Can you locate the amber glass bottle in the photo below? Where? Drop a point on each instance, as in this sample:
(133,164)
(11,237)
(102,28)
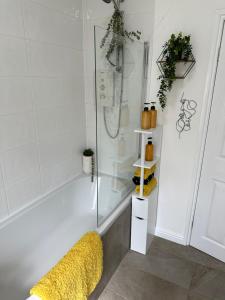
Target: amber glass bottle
(145,119)
(153,116)
(149,151)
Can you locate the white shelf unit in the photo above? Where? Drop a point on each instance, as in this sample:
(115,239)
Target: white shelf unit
(151,131)
(144,209)
(146,164)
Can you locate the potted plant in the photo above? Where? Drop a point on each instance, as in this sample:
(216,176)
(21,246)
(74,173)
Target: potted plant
(88,160)
(177,50)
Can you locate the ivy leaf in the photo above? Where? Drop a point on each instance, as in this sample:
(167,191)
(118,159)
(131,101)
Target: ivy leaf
(114,31)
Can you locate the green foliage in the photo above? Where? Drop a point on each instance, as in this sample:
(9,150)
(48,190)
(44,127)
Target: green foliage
(175,49)
(88,152)
(116,34)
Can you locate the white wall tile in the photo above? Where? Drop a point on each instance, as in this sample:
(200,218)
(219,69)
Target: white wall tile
(23,192)
(74,63)
(15,95)
(20,163)
(42,115)
(3,206)
(50,60)
(91,115)
(136,7)
(98,9)
(16,130)
(13,59)
(57,149)
(91,138)
(70,7)
(52,92)
(47,25)
(46,60)
(142,22)
(11,21)
(47,122)
(3,202)
(56,175)
(56,120)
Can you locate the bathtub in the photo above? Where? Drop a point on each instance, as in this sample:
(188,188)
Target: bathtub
(34,240)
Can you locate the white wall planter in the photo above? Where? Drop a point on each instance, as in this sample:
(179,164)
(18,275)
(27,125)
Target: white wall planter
(87,164)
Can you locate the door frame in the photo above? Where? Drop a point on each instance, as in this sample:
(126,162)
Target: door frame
(206,110)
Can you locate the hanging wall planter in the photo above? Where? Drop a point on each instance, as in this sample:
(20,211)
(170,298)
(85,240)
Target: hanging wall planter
(175,62)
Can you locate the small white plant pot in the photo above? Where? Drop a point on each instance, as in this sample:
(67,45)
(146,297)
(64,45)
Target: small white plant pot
(87,164)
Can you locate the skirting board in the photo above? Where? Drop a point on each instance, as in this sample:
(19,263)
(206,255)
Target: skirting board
(171,236)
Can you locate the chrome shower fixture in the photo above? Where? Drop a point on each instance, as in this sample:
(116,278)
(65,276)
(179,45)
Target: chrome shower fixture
(120,70)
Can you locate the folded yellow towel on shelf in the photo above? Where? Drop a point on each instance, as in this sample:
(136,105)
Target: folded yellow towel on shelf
(147,188)
(77,273)
(147,172)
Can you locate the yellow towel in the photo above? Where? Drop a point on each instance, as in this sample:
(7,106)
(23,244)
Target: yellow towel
(147,188)
(76,275)
(147,172)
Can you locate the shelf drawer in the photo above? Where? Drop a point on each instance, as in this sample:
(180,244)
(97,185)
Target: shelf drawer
(140,207)
(139,235)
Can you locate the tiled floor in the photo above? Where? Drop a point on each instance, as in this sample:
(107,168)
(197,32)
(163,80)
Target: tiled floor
(168,272)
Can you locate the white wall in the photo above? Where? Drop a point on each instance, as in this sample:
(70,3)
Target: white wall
(180,157)
(42,117)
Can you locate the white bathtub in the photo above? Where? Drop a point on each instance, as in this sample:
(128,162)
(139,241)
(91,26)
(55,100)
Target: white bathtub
(34,240)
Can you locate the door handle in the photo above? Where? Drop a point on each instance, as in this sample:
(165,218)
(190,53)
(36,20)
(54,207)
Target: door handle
(140,218)
(140,199)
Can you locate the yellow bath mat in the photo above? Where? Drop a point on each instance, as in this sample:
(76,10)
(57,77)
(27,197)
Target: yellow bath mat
(77,273)
(147,188)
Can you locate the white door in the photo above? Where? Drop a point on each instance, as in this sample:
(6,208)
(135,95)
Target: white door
(208,232)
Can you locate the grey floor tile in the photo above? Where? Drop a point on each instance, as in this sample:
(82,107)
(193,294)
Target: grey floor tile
(109,295)
(134,284)
(168,272)
(195,296)
(188,253)
(209,283)
(163,265)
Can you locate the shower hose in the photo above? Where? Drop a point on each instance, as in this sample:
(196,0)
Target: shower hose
(121,70)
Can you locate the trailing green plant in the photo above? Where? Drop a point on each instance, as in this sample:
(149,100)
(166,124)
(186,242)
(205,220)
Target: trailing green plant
(178,47)
(116,33)
(88,152)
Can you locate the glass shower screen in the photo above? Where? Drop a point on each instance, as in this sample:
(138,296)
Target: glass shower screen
(119,77)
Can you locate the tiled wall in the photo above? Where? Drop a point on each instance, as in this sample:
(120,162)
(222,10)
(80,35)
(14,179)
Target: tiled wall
(42,113)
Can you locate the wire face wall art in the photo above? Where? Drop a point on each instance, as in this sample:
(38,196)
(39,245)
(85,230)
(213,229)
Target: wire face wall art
(187,111)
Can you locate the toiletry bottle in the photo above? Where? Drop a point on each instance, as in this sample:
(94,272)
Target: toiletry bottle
(145,118)
(153,118)
(149,150)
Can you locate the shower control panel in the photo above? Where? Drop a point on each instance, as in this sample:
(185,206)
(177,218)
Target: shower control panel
(105,88)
